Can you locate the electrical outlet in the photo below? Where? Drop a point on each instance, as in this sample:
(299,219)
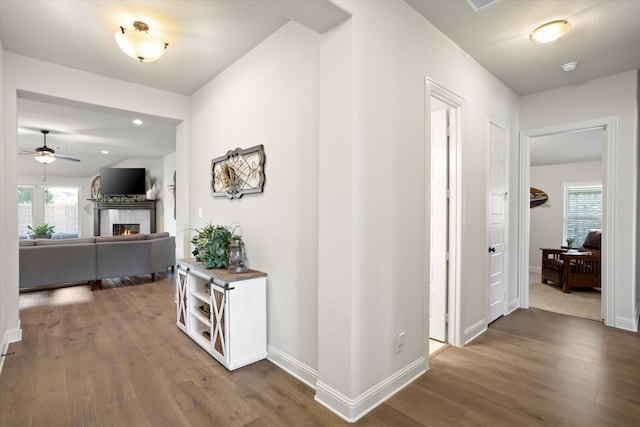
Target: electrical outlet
(399,342)
(199,213)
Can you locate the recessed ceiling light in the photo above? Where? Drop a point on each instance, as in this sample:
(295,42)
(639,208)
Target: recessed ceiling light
(137,122)
(104,152)
(550,31)
(570,66)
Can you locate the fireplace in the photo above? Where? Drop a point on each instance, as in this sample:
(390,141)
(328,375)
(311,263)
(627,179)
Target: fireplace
(109,214)
(125,229)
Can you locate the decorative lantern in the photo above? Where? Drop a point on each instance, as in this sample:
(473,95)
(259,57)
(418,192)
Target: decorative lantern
(236,255)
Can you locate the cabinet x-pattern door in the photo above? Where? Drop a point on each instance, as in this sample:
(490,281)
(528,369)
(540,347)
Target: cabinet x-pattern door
(218,306)
(181,286)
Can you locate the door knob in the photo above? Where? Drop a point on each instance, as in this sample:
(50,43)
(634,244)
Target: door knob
(492,249)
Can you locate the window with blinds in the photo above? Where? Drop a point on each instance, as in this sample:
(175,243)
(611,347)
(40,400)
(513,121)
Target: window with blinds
(61,209)
(582,211)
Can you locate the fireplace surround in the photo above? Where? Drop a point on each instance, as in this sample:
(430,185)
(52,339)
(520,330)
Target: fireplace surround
(107,214)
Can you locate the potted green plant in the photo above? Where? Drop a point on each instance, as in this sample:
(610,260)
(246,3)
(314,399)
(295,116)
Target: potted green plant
(570,241)
(211,246)
(205,309)
(41,231)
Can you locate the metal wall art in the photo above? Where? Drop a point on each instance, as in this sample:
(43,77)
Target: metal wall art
(238,172)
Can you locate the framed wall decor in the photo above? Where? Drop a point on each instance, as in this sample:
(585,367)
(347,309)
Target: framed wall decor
(239,172)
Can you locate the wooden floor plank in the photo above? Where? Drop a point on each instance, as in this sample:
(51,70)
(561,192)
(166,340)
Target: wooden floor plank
(115,357)
(51,402)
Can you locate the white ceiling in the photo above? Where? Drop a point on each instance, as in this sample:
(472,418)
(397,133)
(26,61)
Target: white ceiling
(85,131)
(568,147)
(206,35)
(210,35)
(603,38)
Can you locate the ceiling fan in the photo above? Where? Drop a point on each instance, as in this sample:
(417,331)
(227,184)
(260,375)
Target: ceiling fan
(48,155)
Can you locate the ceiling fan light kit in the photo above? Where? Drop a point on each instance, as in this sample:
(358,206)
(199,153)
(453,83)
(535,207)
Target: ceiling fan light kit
(45,154)
(139,44)
(550,31)
(44,157)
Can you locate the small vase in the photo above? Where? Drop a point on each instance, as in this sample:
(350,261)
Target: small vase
(151,193)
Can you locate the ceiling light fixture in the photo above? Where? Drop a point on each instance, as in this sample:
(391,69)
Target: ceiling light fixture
(45,154)
(570,66)
(137,122)
(550,31)
(45,157)
(138,44)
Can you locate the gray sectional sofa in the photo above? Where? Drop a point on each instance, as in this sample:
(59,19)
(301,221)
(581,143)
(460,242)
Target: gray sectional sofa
(46,263)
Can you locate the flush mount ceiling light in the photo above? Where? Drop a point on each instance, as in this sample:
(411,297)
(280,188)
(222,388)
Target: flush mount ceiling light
(138,44)
(550,31)
(570,66)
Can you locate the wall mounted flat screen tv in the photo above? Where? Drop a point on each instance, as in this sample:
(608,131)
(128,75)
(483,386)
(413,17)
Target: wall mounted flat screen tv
(122,181)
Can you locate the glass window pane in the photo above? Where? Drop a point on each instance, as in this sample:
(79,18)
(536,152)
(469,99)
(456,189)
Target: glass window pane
(61,209)
(583,211)
(25,209)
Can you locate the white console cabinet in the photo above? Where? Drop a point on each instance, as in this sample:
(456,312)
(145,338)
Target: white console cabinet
(224,313)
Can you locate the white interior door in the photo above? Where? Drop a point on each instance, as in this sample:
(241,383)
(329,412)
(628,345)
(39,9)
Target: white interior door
(439,224)
(497,216)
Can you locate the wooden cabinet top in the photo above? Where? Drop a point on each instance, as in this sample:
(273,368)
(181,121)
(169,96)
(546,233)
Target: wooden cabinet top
(222,273)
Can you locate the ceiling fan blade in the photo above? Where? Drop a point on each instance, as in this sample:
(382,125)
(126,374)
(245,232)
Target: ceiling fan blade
(27,152)
(67,157)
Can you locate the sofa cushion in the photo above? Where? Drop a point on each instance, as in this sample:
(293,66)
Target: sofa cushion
(160,235)
(58,242)
(121,238)
(43,265)
(27,243)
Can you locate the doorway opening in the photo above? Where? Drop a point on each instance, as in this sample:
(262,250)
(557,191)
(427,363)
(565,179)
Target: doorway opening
(607,127)
(443,216)
(567,167)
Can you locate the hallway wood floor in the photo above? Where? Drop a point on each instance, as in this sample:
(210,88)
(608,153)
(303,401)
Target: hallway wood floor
(115,358)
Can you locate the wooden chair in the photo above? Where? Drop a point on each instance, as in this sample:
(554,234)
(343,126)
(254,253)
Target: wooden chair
(574,270)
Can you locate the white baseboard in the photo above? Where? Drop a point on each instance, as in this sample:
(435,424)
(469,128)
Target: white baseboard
(512,306)
(535,269)
(475,330)
(11,335)
(303,372)
(627,323)
(351,410)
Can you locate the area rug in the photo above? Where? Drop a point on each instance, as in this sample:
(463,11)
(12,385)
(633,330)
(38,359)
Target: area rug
(581,302)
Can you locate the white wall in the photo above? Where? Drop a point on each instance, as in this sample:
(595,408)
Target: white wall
(373,265)
(9,324)
(637,241)
(616,96)
(269,97)
(546,220)
(22,73)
